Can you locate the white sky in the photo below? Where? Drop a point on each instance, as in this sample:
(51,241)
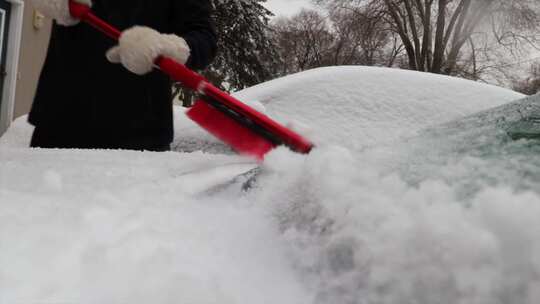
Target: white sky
(286,7)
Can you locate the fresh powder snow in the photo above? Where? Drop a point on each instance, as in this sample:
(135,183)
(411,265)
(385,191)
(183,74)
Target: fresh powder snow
(380,212)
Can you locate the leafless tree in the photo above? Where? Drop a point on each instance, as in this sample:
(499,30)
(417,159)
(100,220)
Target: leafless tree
(362,37)
(303,40)
(530,85)
(311,39)
(441,36)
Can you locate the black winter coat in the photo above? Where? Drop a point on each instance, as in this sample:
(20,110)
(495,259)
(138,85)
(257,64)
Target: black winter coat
(84,101)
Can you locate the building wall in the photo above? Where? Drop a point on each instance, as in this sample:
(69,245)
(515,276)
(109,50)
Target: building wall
(33,51)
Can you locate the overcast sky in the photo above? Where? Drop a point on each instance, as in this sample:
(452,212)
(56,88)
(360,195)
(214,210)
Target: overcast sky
(286,7)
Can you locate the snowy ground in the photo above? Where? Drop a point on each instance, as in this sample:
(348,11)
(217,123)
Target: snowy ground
(383,211)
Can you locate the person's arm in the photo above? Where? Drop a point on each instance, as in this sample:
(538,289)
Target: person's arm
(58,10)
(192,20)
(192,40)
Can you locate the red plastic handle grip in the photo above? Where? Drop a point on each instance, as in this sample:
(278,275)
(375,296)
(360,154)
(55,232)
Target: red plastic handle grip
(84,13)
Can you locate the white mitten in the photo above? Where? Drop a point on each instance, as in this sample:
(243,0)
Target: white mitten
(140,46)
(58,9)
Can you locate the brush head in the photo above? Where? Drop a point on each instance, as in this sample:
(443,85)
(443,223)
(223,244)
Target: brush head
(226,126)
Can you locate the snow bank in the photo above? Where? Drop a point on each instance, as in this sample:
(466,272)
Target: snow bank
(395,223)
(18,134)
(357,106)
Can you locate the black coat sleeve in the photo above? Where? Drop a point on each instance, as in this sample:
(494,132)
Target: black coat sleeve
(192,20)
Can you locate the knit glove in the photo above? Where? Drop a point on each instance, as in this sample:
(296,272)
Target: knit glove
(58,10)
(140,46)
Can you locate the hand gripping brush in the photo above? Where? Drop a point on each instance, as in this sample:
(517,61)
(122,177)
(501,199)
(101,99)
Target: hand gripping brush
(246,130)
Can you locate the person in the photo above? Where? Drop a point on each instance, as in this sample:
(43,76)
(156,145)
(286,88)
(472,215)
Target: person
(84,101)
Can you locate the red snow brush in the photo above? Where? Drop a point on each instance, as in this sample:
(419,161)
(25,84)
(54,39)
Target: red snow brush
(246,130)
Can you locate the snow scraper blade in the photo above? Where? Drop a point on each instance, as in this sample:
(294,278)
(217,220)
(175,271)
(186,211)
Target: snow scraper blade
(246,130)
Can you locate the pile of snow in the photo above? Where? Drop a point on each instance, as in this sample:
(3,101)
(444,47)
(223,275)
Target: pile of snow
(335,226)
(18,135)
(358,106)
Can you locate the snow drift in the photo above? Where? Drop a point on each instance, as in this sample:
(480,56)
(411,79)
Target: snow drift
(449,215)
(357,106)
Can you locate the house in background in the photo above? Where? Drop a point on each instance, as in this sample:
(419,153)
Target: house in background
(24,36)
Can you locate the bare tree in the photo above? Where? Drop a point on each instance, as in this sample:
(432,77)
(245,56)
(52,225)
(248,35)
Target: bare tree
(530,85)
(304,41)
(362,37)
(439,36)
(311,39)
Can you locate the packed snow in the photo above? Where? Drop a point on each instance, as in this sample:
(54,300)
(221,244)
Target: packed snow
(391,207)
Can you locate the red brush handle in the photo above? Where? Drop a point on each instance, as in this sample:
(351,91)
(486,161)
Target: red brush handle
(84,13)
(194,81)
